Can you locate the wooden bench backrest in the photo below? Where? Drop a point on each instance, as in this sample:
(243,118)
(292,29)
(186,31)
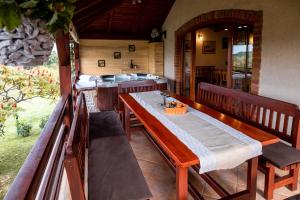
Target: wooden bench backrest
(76,148)
(274,116)
(135,86)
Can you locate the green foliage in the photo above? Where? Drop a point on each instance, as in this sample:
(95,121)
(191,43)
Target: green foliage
(18,85)
(1,129)
(56,13)
(10,16)
(53,60)
(43,121)
(23,128)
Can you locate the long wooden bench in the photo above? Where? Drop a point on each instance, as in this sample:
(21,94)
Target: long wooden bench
(113,171)
(274,116)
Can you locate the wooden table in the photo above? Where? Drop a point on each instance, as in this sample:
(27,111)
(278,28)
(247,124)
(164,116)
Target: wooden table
(180,157)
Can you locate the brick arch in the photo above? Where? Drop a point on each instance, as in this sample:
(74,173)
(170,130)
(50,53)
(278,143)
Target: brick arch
(254,18)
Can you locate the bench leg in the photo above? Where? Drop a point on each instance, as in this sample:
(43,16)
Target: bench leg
(269,182)
(182,183)
(294,173)
(252,177)
(127,121)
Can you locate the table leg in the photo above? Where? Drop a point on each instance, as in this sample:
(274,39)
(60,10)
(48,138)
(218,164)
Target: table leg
(127,121)
(252,177)
(182,183)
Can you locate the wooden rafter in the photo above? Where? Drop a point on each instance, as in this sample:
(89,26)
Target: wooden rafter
(113,36)
(138,18)
(119,19)
(111,14)
(89,15)
(87,6)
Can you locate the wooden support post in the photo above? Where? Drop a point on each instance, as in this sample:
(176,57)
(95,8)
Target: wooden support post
(193,86)
(229,58)
(252,177)
(182,183)
(127,121)
(63,50)
(74,179)
(77,72)
(77,60)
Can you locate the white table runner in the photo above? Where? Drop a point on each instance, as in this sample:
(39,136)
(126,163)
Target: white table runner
(217,145)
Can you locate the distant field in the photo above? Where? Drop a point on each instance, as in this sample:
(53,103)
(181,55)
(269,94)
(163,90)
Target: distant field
(13,148)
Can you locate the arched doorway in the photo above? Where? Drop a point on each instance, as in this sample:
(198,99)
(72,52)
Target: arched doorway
(232,16)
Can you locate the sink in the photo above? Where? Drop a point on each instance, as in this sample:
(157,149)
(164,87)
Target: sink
(107,78)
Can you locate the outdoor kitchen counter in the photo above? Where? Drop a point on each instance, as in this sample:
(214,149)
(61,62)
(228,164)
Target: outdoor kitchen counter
(107,89)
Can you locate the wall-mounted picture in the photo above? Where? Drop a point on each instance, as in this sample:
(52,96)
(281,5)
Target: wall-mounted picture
(101,63)
(209,47)
(131,48)
(117,55)
(225,43)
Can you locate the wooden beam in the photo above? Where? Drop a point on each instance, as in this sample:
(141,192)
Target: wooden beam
(73,32)
(81,8)
(93,34)
(193,85)
(77,60)
(110,21)
(138,18)
(85,18)
(229,58)
(63,50)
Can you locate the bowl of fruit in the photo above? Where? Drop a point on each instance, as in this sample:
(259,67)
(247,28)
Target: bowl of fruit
(176,108)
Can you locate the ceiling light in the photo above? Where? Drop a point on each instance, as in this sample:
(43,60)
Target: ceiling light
(240,27)
(133,2)
(225,29)
(139,1)
(245,26)
(200,36)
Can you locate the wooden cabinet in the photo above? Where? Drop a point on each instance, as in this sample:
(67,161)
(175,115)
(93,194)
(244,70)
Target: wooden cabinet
(156,58)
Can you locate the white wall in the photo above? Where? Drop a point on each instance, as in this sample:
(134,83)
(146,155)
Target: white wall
(280,65)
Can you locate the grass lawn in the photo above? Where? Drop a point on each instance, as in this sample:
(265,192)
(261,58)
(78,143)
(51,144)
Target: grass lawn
(13,148)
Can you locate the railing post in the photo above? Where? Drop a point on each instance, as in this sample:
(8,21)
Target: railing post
(63,50)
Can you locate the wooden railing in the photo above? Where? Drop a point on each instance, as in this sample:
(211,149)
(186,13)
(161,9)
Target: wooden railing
(77,142)
(40,176)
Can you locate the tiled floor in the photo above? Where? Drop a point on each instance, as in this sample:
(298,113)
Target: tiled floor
(161,179)
(91,100)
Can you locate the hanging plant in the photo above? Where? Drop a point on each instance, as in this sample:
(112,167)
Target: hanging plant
(57,14)
(27,29)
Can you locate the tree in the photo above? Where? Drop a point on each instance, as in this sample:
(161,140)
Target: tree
(18,84)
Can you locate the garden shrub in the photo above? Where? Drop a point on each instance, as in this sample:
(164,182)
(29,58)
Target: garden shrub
(43,121)
(23,128)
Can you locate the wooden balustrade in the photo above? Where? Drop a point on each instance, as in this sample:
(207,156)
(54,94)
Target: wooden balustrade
(76,149)
(40,175)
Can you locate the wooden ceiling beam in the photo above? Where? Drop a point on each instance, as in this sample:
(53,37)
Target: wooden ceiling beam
(80,8)
(111,14)
(136,24)
(169,6)
(85,18)
(113,36)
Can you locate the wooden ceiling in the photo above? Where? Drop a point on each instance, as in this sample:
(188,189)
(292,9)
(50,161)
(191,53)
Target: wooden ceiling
(119,19)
